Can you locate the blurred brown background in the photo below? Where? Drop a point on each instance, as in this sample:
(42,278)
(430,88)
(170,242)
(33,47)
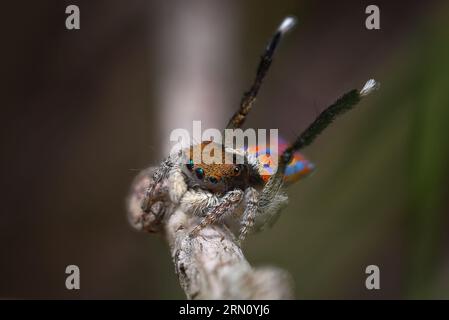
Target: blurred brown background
(84,110)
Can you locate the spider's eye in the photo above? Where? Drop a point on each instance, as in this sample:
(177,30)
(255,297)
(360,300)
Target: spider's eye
(213,180)
(237,170)
(199,173)
(189,165)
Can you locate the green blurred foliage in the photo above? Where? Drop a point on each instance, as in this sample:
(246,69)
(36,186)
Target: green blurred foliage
(429,159)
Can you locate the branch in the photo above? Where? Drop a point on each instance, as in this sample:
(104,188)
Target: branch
(210,265)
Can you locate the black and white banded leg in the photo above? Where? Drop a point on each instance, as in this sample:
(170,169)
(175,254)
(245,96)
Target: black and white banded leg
(227,205)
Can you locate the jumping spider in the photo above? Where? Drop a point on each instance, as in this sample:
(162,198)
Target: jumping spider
(215,190)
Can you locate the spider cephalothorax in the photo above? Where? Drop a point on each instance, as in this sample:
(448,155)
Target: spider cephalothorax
(220,169)
(240,182)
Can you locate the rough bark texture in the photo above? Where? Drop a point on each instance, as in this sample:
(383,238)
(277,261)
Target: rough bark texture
(212,264)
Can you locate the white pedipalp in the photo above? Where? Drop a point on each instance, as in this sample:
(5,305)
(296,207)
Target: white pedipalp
(198,201)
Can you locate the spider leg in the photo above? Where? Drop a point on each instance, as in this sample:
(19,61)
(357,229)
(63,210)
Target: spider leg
(157,190)
(270,212)
(264,65)
(228,203)
(249,215)
(326,117)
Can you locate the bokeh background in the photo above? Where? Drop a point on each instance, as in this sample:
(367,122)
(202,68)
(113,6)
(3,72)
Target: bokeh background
(83,111)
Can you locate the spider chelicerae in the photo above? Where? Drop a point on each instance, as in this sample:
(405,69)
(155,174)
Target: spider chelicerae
(237,184)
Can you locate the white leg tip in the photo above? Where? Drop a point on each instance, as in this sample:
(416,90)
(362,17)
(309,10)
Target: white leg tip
(288,23)
(369,87)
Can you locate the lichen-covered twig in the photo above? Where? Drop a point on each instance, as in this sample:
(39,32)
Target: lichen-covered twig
(210,265)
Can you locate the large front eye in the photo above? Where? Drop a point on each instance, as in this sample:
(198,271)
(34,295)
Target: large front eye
(199,173)
(213,180)
(189,165)
(237,170)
